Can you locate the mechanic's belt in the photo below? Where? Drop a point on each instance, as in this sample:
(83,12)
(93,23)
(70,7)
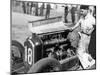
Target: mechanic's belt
(85,33)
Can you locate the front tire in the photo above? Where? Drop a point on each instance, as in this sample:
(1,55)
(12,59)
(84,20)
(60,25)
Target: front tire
(17,54)
(46,65)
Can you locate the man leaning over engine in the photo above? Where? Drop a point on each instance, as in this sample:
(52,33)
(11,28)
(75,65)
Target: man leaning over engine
(86,23)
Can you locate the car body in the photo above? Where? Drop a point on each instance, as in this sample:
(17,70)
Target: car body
(47,41)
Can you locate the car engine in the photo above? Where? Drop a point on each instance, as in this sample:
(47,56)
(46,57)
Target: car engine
(56,45)
(51,44)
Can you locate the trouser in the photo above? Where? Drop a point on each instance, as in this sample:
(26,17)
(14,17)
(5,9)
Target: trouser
(47,15)
(28,10)
(73,17)
(65,17)
(33,11)
(36,12)
(41,12)
(82,51)
(24,10)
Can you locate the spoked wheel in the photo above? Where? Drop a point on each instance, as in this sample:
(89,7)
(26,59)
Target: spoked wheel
(17,53)
(46,65)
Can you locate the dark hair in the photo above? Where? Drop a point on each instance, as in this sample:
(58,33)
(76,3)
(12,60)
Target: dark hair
(84,7)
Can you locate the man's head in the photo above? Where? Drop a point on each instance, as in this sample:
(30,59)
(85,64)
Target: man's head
(84,10)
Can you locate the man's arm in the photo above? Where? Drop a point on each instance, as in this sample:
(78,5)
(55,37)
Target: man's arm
(76,25)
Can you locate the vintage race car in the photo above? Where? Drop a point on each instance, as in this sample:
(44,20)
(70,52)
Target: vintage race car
(46,50)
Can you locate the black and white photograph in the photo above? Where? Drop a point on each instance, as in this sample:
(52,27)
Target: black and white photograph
(52,37)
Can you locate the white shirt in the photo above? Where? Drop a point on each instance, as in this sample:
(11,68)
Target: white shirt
(86,23)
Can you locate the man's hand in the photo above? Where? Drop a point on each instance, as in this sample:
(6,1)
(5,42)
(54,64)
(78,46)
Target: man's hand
(89,31)
(71,29)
